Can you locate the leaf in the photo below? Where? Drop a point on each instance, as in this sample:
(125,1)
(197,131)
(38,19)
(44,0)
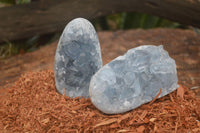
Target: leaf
(180,91)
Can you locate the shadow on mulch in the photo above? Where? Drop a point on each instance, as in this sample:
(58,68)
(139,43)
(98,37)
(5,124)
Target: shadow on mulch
(33,104)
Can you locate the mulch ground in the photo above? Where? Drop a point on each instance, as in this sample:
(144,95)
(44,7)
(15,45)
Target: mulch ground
(34,105)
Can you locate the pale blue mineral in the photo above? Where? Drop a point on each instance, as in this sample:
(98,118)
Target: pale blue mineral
(77,59)
(133,79)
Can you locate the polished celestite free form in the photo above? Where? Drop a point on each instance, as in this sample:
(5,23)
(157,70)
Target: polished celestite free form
(78,57)
(133,79)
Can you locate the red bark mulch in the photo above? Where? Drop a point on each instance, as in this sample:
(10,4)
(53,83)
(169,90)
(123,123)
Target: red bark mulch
(34,105)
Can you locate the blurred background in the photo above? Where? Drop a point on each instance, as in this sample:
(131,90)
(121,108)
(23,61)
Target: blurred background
(30,29)
(120,21)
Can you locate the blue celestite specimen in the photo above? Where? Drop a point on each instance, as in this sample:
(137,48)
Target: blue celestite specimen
(133,79)
(78,57)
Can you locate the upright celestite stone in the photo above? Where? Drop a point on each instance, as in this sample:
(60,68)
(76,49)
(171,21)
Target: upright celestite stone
(133,79)
(78,57)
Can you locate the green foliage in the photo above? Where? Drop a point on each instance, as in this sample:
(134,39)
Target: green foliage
(11,2)
(196,30)
(12,48)
(135,20)
(7,50)
(22,1)
(15,2)
(28,45)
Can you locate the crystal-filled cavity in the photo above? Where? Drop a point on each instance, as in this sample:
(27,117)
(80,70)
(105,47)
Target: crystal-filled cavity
(77,58)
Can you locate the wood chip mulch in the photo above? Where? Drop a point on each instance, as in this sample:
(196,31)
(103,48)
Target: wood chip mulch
(33,105)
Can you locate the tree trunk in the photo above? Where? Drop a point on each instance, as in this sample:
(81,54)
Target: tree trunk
(48,16)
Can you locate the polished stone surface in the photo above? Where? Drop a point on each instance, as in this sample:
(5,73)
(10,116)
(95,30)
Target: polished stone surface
(78,57)
(133,79)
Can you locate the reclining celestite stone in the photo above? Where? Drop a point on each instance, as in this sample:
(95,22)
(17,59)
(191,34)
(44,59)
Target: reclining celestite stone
(133,79)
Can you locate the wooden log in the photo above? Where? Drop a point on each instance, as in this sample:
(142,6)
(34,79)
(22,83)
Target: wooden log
(48,16)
